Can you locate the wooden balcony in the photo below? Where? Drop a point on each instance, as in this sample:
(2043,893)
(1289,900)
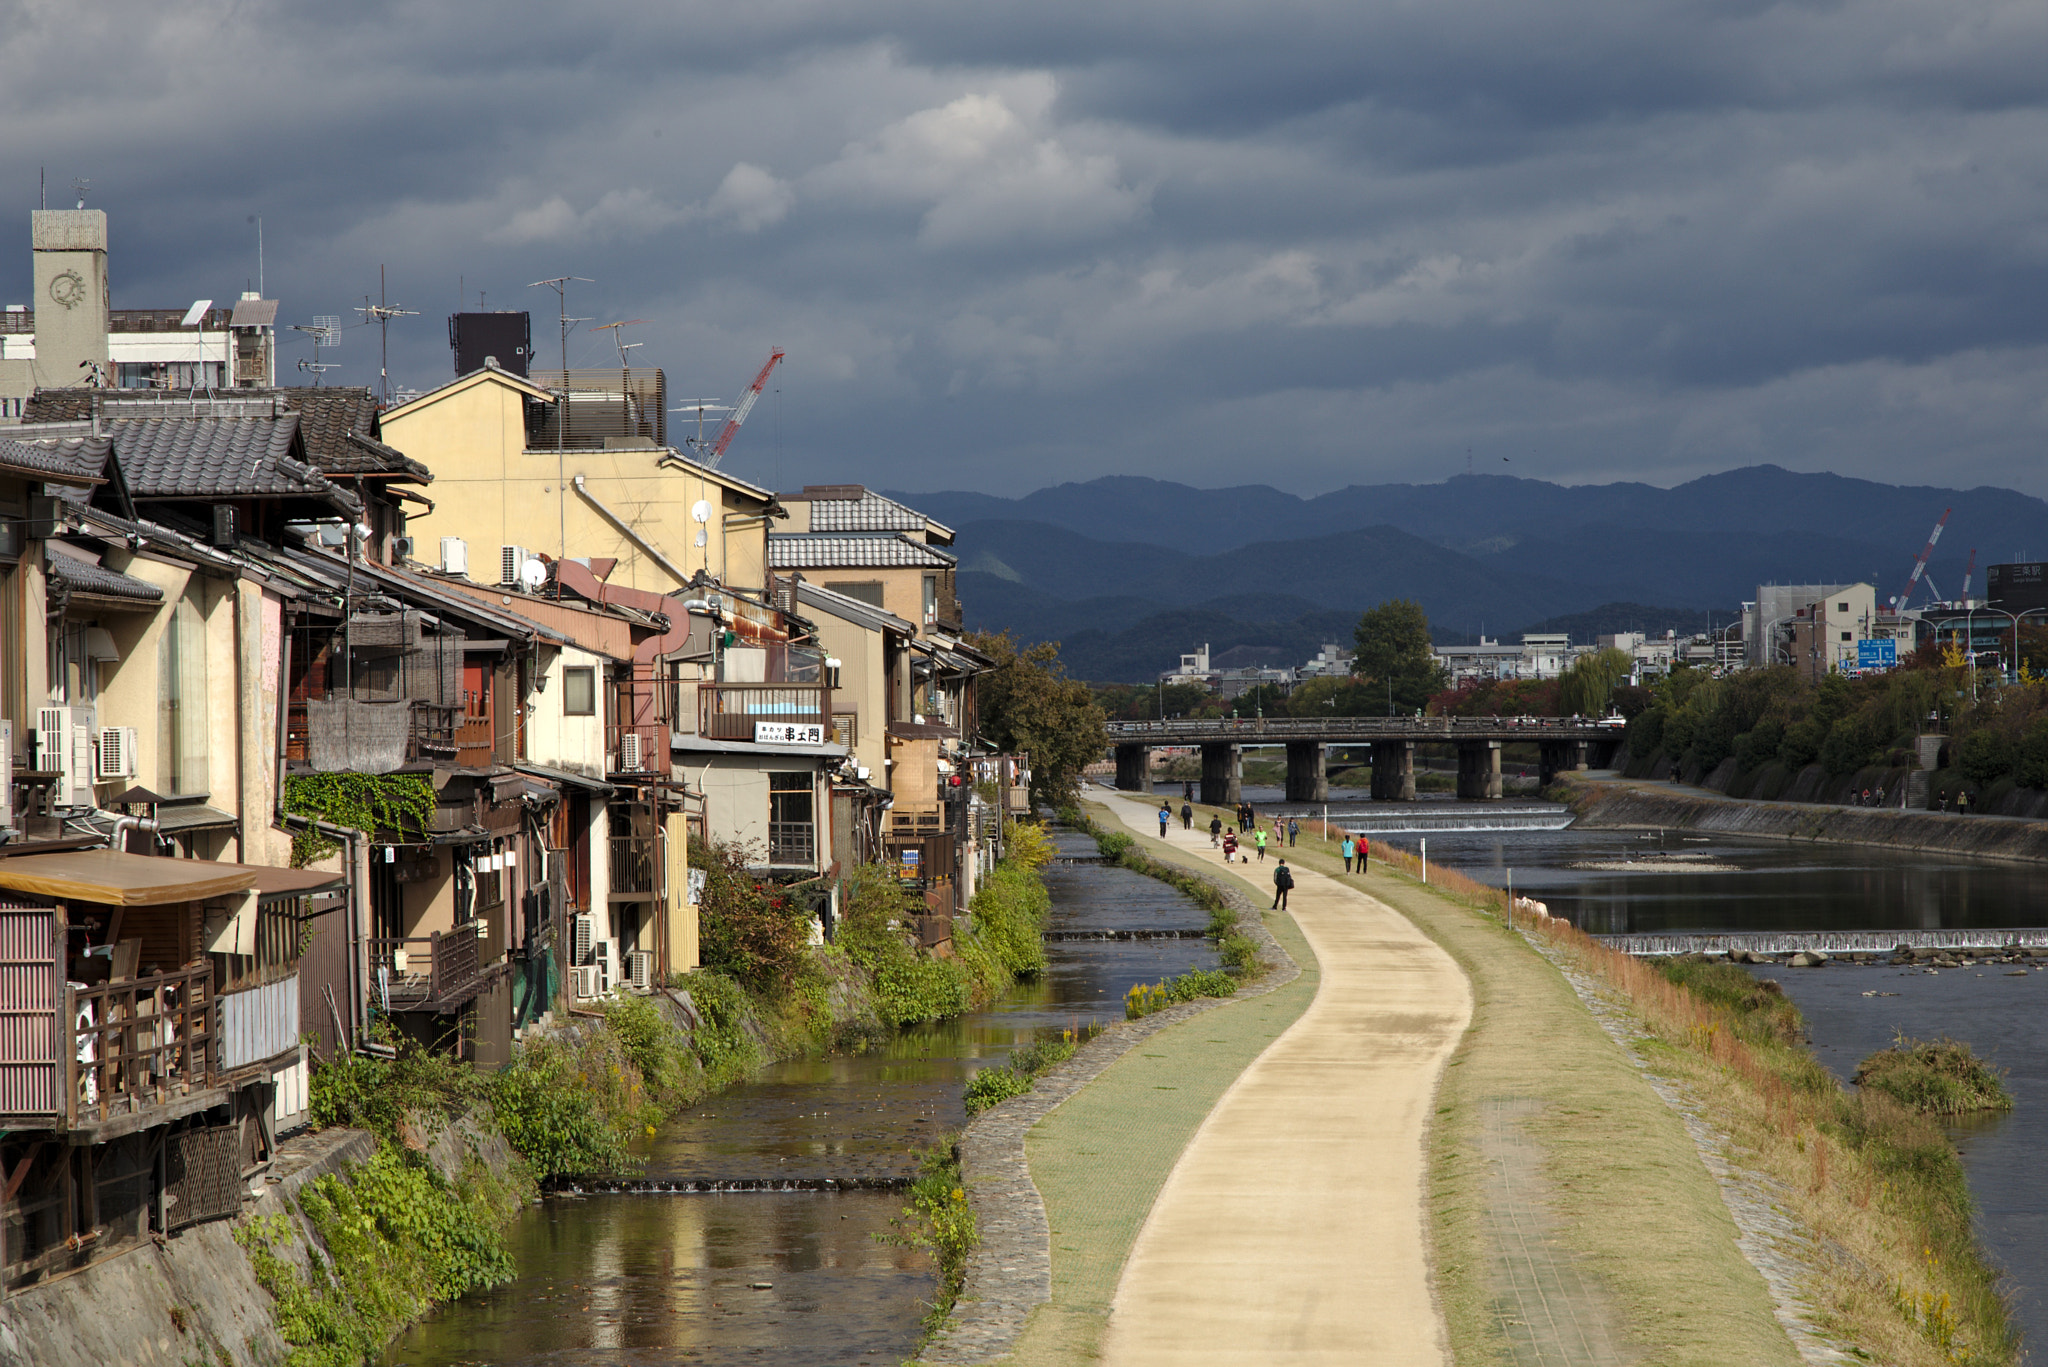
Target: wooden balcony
(437,972)
(634,867)
(734,711)
(76,1058)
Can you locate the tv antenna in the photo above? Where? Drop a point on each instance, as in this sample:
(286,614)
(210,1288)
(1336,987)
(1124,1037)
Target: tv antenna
(619,338)
(381,313)
(709,455)
(195,317)
(700,407)
(325,330)
(560,285)
(79,188)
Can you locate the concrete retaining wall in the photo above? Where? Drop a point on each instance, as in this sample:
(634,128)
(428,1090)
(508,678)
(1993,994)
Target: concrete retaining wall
(1637,804)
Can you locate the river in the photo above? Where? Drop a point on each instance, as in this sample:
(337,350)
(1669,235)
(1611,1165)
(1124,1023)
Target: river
(1630,882)
(796,1276)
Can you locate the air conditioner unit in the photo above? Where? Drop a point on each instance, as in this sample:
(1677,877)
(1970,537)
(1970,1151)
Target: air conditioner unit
(640,970)
(64,744)
(454,556)
(116,753)
(585,983)
(629,752)
(511,560)
(583,932)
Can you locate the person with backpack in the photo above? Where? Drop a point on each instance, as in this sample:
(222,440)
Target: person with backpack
(1364,852)
(1293,831)
(1187,817)
(1283,883)
(1350,851)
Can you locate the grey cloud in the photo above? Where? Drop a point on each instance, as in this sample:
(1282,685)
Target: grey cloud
(1310,243)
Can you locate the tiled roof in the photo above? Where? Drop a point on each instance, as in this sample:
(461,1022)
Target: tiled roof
(810,551)
(851,609)
(69,460)
(80,577)
(219,458)
(340,425)
(868,513)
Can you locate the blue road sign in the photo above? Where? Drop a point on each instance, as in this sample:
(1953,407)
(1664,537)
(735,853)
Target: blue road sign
(1877,654)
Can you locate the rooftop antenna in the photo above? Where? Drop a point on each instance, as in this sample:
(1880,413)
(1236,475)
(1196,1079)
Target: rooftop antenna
(381,313)
(325,330)
(79,188)
(560,285)
(700,407)
(618,338)
(194,317)
(257,219)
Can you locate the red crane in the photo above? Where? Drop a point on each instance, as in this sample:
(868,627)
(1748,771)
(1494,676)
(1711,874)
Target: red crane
(1920,565)
(714,451)
(1968,574)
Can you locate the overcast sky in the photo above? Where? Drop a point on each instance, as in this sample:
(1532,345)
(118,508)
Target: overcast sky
(1306,244)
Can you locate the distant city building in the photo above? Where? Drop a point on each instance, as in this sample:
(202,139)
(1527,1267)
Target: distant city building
(1194,669)
(1331,662)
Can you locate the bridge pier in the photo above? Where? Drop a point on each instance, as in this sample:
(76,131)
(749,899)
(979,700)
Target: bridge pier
(1133,768)
(1308,778)
(1479,770)
(1559,756)
(1222,775)
(1393,771)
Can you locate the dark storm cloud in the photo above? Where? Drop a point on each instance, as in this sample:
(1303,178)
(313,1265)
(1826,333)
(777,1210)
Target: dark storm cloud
(1307,244)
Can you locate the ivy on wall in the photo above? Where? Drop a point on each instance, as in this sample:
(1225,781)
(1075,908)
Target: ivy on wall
(400,803)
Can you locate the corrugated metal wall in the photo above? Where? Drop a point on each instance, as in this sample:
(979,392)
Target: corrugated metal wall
(259,1023)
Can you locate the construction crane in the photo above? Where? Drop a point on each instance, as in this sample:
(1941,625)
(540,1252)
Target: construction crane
(1920,565)
(1968,574)
(709,454)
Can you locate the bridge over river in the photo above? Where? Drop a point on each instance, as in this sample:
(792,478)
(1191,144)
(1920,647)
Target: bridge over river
(1562,743)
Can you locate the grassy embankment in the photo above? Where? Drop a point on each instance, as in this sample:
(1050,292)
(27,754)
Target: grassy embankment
(400,1235)
(1902,1279)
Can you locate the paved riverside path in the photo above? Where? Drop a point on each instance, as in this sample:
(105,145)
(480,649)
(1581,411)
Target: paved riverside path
(1291,1230)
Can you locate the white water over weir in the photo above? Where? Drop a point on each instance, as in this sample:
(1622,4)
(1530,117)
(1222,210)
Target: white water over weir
(1829,941)
(1463,817)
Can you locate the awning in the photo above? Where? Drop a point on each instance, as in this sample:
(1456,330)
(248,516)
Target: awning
(183,817)
(574,780)
(125,880)
(281,885)
(682,744)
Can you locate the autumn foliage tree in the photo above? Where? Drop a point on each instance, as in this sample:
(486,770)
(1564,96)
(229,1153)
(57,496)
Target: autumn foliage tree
(1029,705)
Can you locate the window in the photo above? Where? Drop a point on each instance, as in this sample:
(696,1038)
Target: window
(182,698)
(579,691)
(792,830)
(1841,607)
(1847,637)
(868,591)
(931,599)
(846,729)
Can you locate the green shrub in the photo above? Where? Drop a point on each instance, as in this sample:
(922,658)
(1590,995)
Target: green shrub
(754,933)
(1984,756)
(938,1218)
(375,1094)
(727,1051)
(992,1086)
(1145,998)
(552,1113)
(1240,952)
(1941,1077)
(660,1051)
(1758,1007)
(920,988)
(1114,845)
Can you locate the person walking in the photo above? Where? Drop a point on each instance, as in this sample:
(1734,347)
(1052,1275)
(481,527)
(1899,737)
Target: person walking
(1187,817)
(1962,802)
(1350,851)
(1364,852)
(1215,830)
(1165,819)
(1283,883)
(1259,843)
(1229,847)
(1293,831)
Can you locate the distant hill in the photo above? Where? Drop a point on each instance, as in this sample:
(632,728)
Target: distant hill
(1129,572)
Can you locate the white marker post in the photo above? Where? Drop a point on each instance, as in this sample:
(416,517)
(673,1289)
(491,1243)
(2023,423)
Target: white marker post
(1425,861)
(1511,899)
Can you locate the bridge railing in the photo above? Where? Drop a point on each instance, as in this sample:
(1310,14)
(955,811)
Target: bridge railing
(1281,728)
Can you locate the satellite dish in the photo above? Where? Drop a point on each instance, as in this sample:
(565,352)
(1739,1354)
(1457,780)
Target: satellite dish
(700,511)
(533,574)
(196,312)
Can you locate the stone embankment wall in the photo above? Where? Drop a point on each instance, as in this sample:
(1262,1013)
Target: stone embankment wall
(1627,803)
(191,1298)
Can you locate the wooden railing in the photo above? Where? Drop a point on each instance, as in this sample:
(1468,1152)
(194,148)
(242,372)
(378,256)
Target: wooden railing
(732,711)
(137,1043)
(434,972)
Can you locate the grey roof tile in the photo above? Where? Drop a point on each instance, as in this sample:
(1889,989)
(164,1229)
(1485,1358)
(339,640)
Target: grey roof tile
(868,513)
(340,424)
(811,551)
(80,577)
(218,458)
(67,460)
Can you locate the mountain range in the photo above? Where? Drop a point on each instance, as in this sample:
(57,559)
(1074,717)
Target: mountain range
(1128,572)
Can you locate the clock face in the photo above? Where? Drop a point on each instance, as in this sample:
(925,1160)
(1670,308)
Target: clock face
(68,289)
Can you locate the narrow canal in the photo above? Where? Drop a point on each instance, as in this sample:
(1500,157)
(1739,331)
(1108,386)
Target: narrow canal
(798,1276)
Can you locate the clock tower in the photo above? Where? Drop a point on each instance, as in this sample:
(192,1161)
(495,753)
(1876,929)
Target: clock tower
(71,296)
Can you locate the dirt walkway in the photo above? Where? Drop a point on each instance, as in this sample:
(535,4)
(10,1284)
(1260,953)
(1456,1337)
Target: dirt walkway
(1292,1228)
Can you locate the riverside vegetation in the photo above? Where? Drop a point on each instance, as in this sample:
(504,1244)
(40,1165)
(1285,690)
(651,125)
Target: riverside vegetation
(1899,1276)
(366,1253)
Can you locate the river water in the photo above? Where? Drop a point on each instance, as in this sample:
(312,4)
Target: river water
(797,1276)
(1629,882)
